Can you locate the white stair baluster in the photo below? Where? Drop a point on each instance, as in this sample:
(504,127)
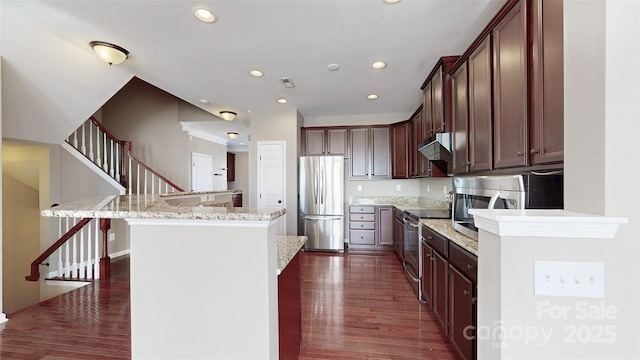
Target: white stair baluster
(82,273)
(105,154)
(98,161)
(89,265)
(75,139)
(96,245)
(137,179)
(118,152)
(111,170)
(146,175)
(90,141)
(130,184)
(153,185)
(83,148)
(74,243)
(67,262)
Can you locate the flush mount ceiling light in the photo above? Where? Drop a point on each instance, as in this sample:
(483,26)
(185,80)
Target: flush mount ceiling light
(228,115)
(232,135)
(372,97)
(333,67)
(378,65)
(391,1)
(110,53)
(204,15)
(256,73)
(282,101)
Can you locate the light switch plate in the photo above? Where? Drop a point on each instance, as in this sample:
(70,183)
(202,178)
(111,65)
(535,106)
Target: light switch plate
(565,278)
(398,187)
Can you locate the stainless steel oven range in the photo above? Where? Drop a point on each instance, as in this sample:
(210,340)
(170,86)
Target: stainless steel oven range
(413,246)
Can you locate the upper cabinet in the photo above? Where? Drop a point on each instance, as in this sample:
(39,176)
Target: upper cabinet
(370,153)
(400,140)
(510,89)
(324,141)
(231,167)
(436,102)
(507,92)
(547,83)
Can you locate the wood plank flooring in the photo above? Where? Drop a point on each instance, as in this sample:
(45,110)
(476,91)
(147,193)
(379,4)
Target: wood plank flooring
(355,306)
(360,306)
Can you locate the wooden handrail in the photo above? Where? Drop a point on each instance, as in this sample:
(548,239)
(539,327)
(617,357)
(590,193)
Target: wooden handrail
(35,270)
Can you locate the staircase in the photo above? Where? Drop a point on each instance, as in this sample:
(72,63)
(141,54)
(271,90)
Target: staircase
(81,252)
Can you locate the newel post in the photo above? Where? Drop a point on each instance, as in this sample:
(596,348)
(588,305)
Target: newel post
(105,261)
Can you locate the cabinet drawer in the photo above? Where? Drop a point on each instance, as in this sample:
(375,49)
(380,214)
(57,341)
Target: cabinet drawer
(464,261)
(362,217)
(362,209)
(362,237)
(362,225)
(437,242)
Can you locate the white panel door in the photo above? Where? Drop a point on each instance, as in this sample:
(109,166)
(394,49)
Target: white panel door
(201,172)
(271,177)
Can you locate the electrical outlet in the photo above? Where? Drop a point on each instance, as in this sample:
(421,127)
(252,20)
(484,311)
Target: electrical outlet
(428,188)
(359,187)
(112,237)
(563,278)
(398,187)
(446,191)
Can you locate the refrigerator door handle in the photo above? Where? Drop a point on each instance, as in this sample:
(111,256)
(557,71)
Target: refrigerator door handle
(322,218)
(322,180)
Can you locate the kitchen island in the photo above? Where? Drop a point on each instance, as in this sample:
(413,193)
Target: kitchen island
(204,280)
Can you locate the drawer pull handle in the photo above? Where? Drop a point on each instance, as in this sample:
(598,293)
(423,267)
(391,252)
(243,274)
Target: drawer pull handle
(469,266)
(429,237)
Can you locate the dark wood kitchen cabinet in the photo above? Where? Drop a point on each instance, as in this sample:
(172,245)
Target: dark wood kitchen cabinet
(290,309)
(547,82)
(459,120)
(427,275)
(437,98)
(236,199)
(427,113)
(439,273)
(371,227)
(324,141)
(400,140)
(510,90)
(385,225)
(370,153)
(231,166)
(463,275)
(480,116)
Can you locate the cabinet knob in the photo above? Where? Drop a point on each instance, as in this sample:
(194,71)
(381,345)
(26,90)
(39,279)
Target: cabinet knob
(534,151)
(469,266)
(466,292)
(429,237)
(361,225)
(473,300)
(520,153)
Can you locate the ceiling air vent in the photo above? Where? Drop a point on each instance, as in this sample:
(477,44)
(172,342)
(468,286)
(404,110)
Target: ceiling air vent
(287,82)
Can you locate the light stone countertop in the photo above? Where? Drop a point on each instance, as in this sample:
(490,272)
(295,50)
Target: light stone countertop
(444,228)
(154,207)
(183,193)
(288,247)
(401,202)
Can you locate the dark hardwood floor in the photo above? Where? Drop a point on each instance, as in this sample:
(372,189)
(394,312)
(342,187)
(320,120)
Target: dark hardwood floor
(354,306)
(360,306)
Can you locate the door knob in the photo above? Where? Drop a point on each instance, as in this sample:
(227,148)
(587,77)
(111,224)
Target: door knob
(279,201)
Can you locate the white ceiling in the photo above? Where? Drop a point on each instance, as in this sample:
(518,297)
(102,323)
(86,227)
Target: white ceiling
(283,38)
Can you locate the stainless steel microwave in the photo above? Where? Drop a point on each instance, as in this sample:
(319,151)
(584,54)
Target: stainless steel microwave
(522,191)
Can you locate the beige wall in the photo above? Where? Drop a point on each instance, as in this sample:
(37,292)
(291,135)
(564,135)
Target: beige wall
(20,247)
(219,154)
(149,117)
(283,125)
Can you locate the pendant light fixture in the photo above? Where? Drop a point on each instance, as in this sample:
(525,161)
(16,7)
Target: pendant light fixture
(110,53)
(228,115)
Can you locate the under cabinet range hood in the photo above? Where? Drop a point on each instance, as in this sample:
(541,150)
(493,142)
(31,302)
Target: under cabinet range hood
(437,148)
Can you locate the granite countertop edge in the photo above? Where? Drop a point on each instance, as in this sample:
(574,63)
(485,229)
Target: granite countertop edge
(288,247)
(444,228)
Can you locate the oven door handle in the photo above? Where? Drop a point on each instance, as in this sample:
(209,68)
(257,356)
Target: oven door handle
(404,265)
(494,198)
(409,222)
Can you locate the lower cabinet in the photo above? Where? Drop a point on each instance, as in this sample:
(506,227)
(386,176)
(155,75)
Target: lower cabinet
(398,233)
(236,200)
(371,228)
(449,283)
(290,309)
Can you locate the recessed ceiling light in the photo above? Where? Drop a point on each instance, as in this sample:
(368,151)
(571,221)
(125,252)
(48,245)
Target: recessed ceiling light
(391,1)
(333,67)
(282,101)
(378,65)
(204,15)
(372,97)
(204,101)
(256,73)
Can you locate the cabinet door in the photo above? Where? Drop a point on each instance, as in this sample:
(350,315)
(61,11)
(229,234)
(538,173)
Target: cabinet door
(461,319)
(337,142)
(385,225)
(359,159)
(480,137)
(440,269)
(437,100)
(400,151)
(231,166)
(459,119)
(380,153)
(398,230)
(427,112)
(314,142)
(510,90)
(427,273)
(547,123)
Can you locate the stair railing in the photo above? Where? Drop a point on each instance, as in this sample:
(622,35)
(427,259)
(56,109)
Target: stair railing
(81,253)
(115,158)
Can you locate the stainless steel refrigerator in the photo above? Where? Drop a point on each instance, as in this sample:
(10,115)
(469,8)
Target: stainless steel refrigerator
(322,202)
